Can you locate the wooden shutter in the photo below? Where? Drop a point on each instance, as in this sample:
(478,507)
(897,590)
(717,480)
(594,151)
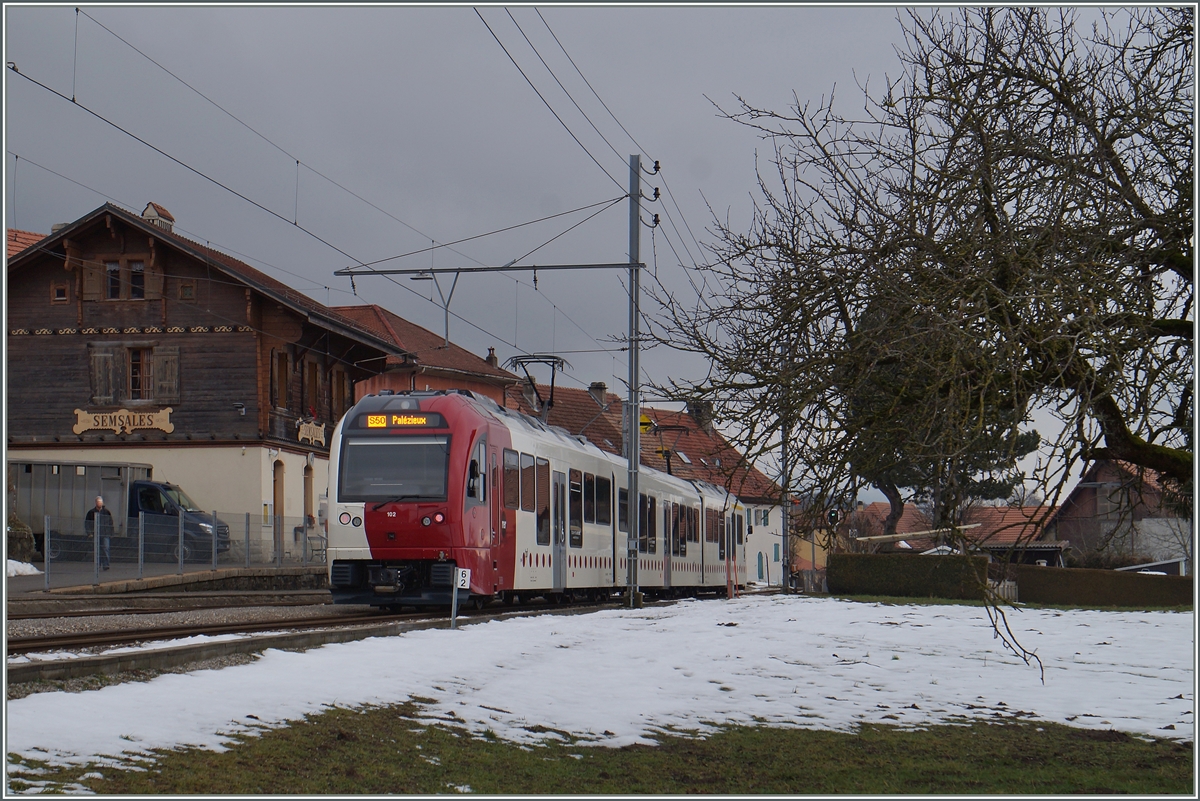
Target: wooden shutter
(103,384)
(93,284)
(166,374)
(154,281)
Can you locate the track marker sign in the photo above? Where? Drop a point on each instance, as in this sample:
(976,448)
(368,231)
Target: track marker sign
(462,581)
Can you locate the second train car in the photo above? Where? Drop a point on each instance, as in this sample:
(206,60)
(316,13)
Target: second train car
(422,483)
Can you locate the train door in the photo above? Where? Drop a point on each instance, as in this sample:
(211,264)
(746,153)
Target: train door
(477,514)
(558,554)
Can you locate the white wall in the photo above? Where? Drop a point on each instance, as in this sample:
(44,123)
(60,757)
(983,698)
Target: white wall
(231,479)
(763,541)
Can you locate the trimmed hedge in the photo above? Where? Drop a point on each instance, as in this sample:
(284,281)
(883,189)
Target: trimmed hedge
(1084,587)
(911,576)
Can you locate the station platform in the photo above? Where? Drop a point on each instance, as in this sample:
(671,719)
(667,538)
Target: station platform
(79,579)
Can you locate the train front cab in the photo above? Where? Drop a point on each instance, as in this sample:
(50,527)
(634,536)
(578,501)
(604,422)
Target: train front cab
(411,500)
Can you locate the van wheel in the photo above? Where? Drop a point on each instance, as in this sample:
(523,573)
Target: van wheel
(54,550)
(187,552)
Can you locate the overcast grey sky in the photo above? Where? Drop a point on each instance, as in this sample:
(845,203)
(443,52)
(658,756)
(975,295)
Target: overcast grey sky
(420,112)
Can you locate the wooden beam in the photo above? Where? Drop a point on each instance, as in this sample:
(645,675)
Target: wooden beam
(913,534)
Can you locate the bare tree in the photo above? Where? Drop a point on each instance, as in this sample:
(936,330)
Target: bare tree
(1006,226)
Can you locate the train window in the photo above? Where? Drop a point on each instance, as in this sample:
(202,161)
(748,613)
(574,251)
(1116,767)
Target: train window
(622,509)
(671,526)
(575,516)
(720,536)
(512,480)
(589,498)
(710,525)
(652,534)
(603,501)
(693,524)
(404,468)
(741,528)
(643,503)
(527,483)
(543,500)
(477,474)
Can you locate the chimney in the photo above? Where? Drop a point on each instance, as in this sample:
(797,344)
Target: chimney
(159,216)
(702,412)
(54,229)
(599,392)
(491,358)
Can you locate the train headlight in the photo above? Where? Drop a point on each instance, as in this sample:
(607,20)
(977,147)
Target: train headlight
(439,518)
(344,518)
(356,522)
(425,520)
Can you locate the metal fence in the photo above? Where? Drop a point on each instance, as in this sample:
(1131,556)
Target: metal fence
(76,550)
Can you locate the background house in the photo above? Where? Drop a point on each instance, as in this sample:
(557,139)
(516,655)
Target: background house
(1006,533)
(429,362)
(1120,514)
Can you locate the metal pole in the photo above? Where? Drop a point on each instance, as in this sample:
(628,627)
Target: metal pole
(180,513)
(141,543)
(96,547)
(278,539)
(633,446)
(46,550)
(247,539)
(785,479)
(214,540)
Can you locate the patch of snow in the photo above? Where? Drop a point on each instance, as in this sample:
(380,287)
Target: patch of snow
(620,676)
(16,568)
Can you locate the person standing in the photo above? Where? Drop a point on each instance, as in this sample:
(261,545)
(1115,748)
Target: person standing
(99,522)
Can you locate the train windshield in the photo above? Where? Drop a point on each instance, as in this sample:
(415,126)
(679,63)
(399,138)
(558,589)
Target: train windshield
(396,468)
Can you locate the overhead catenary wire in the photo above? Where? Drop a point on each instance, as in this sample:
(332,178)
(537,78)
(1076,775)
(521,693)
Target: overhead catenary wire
(567,92)
(566,127)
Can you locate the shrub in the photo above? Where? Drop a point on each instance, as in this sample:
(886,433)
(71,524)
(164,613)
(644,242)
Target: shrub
(903,575)
(1083,587)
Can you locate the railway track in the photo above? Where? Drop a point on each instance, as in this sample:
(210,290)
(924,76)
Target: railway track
(95,639)
(293,634)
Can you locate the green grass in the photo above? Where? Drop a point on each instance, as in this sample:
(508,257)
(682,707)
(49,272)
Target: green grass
(394,750)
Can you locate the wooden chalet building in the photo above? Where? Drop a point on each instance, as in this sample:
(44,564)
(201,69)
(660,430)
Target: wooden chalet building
(684,444)
(128,343)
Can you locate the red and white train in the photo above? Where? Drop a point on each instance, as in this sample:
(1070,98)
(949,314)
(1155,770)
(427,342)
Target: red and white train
(423,482)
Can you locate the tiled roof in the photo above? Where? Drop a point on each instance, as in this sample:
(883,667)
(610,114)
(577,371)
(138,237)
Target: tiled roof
(19,240)
(427,347)
(997,525)
(709,457)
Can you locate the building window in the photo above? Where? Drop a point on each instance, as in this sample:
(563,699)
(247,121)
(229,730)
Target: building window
(141,374)
(187,291)
(59,293)
(137,280)
(312,389)
(112,284)
(279,380)
(133,372)
(777,552)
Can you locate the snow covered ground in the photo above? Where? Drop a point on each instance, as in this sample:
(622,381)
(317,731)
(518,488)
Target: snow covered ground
(16,568)
(618,676)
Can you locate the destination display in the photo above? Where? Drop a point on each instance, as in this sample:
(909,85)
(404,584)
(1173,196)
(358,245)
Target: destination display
(402,420)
